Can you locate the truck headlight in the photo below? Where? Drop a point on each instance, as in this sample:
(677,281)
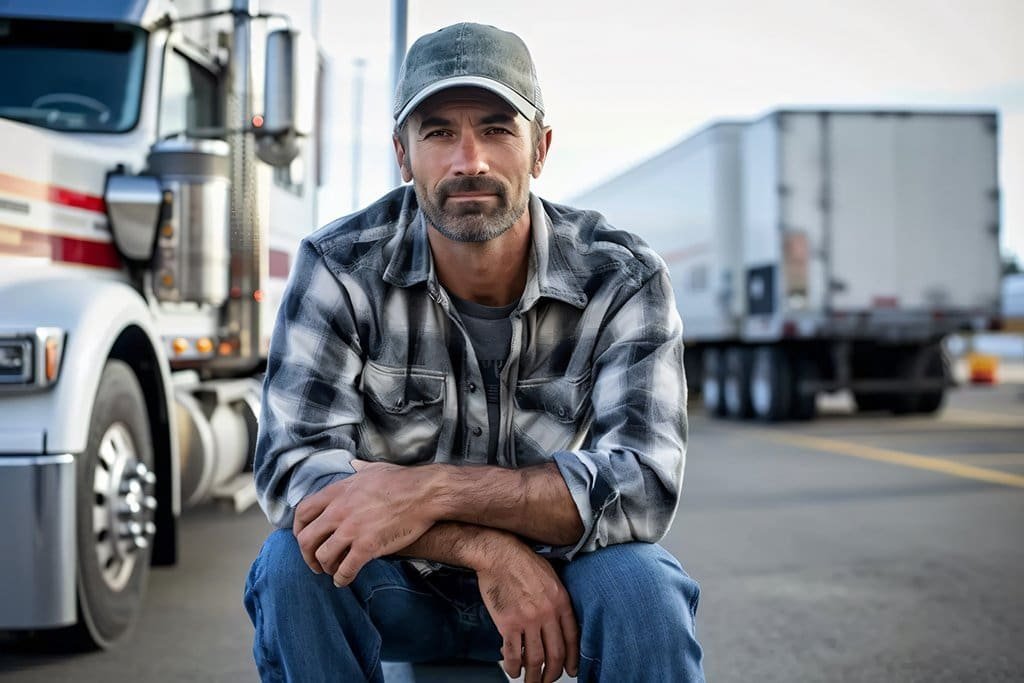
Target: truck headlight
(30,359)
(15,361)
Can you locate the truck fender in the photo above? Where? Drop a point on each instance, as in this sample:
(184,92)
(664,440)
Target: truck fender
(102,319)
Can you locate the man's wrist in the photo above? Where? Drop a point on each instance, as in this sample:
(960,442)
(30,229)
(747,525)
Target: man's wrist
(436,490)
(488,547)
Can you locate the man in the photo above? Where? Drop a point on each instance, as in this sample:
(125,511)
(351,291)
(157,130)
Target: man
(487,385)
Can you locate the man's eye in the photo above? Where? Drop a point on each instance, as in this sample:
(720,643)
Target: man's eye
(498,131)
(436,133)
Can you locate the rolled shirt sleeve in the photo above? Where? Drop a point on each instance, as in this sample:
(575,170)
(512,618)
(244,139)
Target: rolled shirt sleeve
(627,478)
(311,404)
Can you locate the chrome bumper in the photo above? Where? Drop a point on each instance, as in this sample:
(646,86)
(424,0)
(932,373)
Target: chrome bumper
(37,541)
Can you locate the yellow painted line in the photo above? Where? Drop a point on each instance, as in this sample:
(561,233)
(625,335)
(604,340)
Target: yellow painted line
(989,459)
(977,417)
(921,462)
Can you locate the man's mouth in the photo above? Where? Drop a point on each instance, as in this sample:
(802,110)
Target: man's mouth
(471,195)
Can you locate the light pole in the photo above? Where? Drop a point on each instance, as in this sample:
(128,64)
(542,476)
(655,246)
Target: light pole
(399,28)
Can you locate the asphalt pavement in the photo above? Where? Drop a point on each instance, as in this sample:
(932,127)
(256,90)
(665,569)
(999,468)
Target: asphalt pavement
(851,548)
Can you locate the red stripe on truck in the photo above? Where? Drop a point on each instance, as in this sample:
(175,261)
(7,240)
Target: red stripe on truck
(19,242)
(54,194)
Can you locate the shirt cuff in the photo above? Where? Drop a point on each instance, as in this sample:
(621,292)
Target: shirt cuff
(591,493)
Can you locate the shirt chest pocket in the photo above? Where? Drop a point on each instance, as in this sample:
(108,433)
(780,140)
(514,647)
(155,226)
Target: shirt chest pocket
(403,413)
(550,415)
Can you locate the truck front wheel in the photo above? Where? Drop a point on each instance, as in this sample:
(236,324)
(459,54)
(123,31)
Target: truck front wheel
(115,510)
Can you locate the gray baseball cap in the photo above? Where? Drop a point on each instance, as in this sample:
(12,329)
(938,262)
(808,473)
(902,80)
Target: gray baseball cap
(468,55)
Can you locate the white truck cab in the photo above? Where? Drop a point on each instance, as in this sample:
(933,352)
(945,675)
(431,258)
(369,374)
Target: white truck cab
(159,167)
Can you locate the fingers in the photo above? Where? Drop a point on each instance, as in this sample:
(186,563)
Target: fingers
(533,654)
(571,637)
(554,651)
(512,654)
(310,539)
(308,510)
(332,551)
(350,566)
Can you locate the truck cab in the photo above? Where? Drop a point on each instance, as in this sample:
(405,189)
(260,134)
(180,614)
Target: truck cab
(160,166)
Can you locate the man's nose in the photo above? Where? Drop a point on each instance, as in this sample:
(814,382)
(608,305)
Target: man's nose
(469,157)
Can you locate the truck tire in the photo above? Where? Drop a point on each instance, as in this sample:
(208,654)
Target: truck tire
(115,509)
(770,384)
(803,406)
(872,402)
(736,385)
(928,362)
(712,381)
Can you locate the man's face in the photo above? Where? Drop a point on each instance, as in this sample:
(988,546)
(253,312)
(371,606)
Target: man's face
(470,156)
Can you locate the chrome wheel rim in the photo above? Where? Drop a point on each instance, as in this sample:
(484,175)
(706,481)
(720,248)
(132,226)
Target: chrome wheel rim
(123,505)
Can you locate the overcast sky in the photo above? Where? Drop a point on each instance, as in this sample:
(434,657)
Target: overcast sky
(624,81)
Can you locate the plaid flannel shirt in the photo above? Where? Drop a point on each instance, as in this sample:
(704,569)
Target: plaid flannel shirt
(370,360)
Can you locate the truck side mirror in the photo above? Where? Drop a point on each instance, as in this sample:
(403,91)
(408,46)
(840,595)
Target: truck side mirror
(134,206)
(289,92)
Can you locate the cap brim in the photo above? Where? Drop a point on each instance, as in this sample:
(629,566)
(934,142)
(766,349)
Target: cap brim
(518,102)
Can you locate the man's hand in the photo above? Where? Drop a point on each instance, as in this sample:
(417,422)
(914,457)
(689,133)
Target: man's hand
(532,611)
(375,512)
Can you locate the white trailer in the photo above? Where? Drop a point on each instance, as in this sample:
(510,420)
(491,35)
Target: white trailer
(815,251)
(149,210)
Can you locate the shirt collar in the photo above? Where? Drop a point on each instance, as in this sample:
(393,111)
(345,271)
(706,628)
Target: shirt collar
(555,268)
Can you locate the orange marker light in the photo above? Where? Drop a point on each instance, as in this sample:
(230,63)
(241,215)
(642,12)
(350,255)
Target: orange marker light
(167,280)
(179,345)
(167,230)
(257,121)
(51,359)
(225,348)
(204,345)
(258,295)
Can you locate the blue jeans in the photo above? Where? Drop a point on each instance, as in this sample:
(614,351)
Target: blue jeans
(635,607)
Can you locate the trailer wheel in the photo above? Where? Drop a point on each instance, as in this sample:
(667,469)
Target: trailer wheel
(115,509)
(871,402)
(803,405)
(712,381)
(928,363)
(770,384)
(736,386)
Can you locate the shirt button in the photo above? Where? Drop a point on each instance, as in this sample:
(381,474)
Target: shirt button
(472,387)
(477,431)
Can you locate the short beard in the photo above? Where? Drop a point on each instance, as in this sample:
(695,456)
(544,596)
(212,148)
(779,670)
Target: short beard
(472,222)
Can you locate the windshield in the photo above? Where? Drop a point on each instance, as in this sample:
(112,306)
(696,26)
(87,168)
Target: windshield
(71,76)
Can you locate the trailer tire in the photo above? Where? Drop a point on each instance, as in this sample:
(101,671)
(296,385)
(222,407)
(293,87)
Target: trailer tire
(115,488)
(872,402)
(928,363)
(712,382)
(736,385)
(770,384)
(803,405)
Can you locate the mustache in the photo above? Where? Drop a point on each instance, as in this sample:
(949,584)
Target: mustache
(464,184)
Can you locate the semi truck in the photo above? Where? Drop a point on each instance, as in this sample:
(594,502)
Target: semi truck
(814,251)
(159,165)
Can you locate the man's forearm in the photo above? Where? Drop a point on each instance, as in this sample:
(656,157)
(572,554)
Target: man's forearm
(458,544)
(532,502)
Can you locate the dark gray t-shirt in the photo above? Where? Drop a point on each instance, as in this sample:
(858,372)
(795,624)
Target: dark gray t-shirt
(490,330)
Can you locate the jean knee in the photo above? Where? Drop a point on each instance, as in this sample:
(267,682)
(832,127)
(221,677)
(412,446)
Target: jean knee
(280,567)
(634,582)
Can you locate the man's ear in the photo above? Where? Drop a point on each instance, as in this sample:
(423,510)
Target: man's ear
(401,158)
(543,145)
